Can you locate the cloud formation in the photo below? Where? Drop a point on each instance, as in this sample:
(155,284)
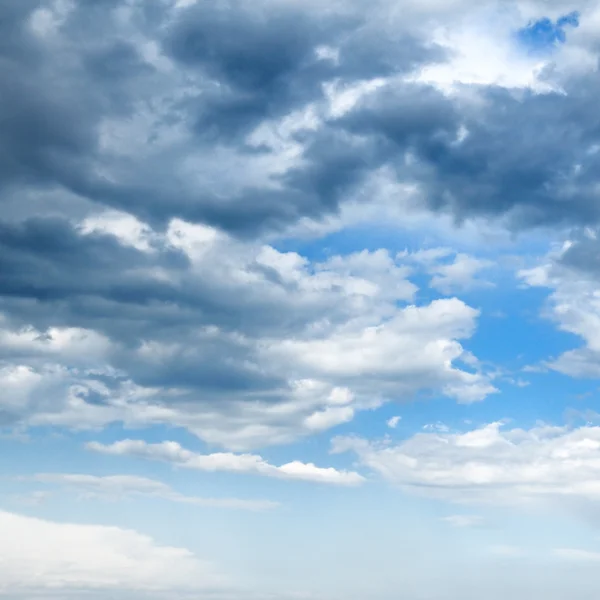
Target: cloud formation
(173,453)
(155,156)
(239,342)
(65,558)
(571,274)
(490,465)
(115,487)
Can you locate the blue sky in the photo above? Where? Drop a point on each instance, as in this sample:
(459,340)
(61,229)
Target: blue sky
(299,301)
(545,33)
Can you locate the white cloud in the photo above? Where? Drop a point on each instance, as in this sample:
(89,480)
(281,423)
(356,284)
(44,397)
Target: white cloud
(173,453)
(483,55)
(392,423)
(439,426)
(451,271)
(129,230)
(38,556)
(120,486)
(355,337)
(574,304)
(484,50)
(491,464)
(395,357)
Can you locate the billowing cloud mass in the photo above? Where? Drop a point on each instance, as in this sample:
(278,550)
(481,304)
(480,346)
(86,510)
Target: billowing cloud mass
(238,342)
(148,153)
(249,227)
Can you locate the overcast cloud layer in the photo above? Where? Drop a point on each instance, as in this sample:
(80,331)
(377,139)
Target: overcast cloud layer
(259,259)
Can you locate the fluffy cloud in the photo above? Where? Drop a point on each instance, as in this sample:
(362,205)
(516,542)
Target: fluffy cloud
(155,157)
(47,558)
(137,285)
(491,464)
(173,453)
(121,486)
(571,273)
(238,342)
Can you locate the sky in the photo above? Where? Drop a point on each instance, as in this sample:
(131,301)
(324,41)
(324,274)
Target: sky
(299,300)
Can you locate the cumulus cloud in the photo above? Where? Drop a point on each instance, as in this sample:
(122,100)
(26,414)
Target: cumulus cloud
(173,453)
(46,557)
(142,276)
(155,158)
(491,464)
(235,340)
(571,274)
(122,486)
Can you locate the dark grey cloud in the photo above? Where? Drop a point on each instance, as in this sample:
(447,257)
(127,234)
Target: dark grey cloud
(47,260)
(529,157)
(263,58)
(234,66)
(52,273)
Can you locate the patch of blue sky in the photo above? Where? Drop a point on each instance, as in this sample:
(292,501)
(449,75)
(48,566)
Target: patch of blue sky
(545,34)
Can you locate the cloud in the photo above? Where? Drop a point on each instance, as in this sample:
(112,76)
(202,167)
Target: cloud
(163,102)
(122,486)
(173,453)
(228,330)
(490,465)
(449,276)
(52,557)
(571,274)
(155,159)
(392,422)
(199,111)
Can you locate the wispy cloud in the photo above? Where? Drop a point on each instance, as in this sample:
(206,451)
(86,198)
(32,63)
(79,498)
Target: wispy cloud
(115,487)
(173,453)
